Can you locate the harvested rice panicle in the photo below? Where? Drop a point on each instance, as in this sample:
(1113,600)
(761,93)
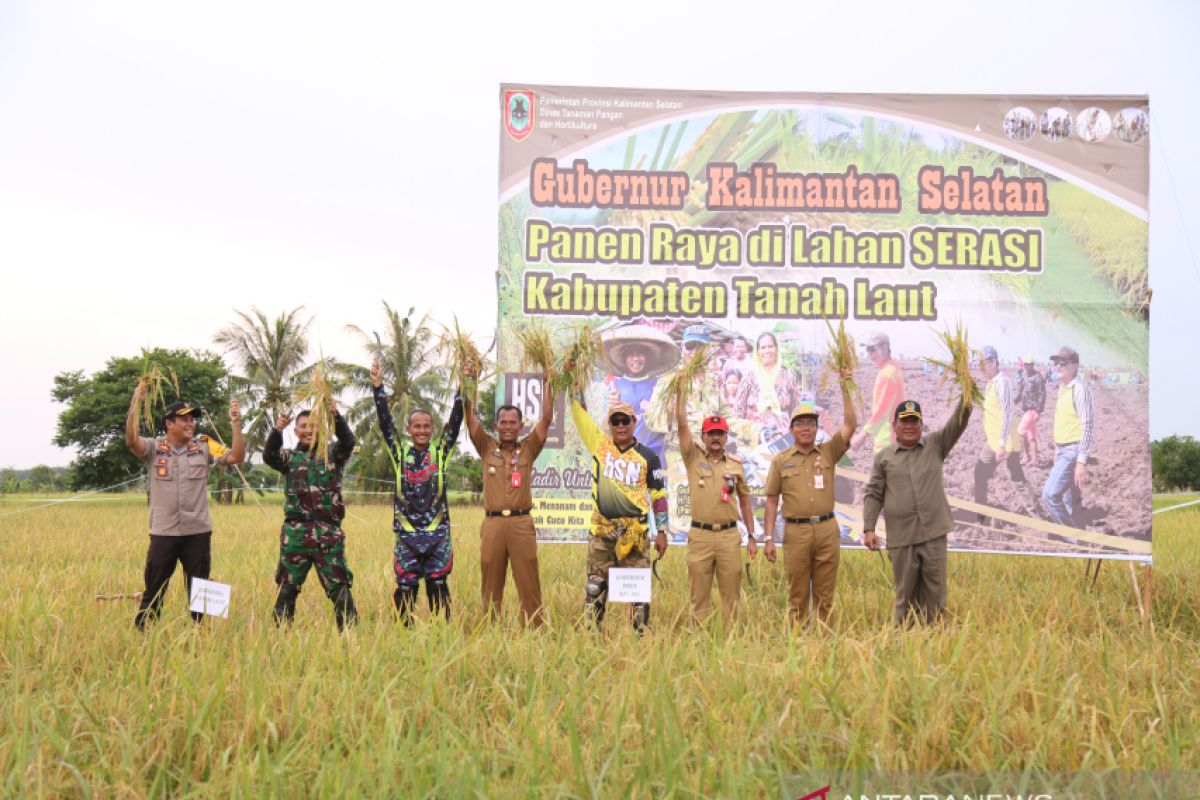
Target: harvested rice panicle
(958,366)
(574,373)
(842,357)
(679,385)
(317,396)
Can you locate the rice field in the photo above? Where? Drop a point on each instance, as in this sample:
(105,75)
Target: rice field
(1034,674)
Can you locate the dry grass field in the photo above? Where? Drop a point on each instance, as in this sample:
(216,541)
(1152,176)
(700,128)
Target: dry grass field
(1034,673)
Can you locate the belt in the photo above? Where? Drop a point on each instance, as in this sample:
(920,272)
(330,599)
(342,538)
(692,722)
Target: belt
(808,520)
(508,513)
(706,527)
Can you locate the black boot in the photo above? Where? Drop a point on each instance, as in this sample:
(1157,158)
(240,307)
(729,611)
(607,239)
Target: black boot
(438,592)
(285,603)
(405,598)
(343,608)
(641,617)
(595,601)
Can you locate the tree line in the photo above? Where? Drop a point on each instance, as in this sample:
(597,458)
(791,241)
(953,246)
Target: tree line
(262,361)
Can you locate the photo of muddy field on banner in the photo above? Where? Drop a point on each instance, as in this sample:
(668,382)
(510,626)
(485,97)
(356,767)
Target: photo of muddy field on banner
(747,222)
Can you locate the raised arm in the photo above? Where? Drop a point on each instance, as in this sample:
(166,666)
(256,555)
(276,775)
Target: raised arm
(850,415)
(386,426)
(272,451)
(343,447)
(542,428)
(454,424)
(949,435)
(237,446)
(686,443)
(588,431)
(133,439)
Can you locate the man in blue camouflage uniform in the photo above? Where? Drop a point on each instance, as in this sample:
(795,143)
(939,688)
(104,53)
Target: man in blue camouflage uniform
(312,515)
(421,515)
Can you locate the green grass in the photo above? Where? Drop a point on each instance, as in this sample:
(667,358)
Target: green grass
(1033,673)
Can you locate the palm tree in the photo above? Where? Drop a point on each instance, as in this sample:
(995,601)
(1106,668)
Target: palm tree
(271,353)
(407,351)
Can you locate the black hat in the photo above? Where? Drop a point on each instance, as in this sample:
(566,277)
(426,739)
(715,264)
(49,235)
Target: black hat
(179,408)
(909,408)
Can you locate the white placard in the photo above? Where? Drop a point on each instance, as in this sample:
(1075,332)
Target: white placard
(627,585)
(210,597)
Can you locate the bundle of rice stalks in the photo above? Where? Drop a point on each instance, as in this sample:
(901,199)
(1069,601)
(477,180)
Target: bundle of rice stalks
(153,378)
(958,366)
(536,346)
(464,360)
(317,396)
(687,375)
(574,372)
(842,357)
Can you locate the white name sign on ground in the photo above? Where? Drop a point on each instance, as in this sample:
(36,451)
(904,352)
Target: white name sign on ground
(629,585)
(210,597)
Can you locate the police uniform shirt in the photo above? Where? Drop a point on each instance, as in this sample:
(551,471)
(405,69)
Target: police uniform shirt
(705,481)
(793,475)
(499,464)
(179,485)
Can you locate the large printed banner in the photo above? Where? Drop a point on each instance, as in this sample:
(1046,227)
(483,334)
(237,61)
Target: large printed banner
(746,220)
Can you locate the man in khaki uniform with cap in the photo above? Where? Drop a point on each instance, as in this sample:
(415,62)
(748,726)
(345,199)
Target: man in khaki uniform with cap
(906,485)
(180,525)
(804,476)
(718,491)
(508,535)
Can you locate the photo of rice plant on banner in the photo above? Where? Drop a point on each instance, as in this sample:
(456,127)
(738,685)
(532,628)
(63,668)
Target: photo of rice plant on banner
(757,227)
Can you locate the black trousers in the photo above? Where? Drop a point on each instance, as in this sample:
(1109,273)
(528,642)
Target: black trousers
(192,552)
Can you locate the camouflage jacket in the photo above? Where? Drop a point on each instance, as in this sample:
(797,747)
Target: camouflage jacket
(313,490)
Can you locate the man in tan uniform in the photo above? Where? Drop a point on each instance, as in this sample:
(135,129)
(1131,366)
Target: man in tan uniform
(177,466)
(507,535)
(804,475)
(717,488)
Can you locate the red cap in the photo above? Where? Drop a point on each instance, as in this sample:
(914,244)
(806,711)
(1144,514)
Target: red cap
(714,423)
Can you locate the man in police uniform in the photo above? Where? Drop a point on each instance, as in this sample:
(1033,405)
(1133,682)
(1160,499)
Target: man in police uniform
(508,534)
(180,525)
(804,476)
(718,491)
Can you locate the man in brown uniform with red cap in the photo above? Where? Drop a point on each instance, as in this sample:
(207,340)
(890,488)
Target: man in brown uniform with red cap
(508,534)
(804,475)
(718,491)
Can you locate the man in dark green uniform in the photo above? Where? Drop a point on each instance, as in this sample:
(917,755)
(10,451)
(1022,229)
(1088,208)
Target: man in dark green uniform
(312,515)
(906,485)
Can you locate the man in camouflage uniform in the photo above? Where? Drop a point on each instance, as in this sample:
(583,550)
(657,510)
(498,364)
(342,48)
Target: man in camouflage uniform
(421,513)
(312,515)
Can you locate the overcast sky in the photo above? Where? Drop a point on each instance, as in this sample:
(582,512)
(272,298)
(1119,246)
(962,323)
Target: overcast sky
(162,163)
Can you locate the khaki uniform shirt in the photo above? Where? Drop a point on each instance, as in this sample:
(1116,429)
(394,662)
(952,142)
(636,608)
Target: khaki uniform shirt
(178,485)
(706,478)
(793,474)
(906,485)
(499,464)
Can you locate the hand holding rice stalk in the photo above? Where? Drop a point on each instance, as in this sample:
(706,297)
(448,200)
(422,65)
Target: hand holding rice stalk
(842,360)
(691,371)
(536,347)
(317,395)
(465,361)
(958,366)
(149,393)
(574,372)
